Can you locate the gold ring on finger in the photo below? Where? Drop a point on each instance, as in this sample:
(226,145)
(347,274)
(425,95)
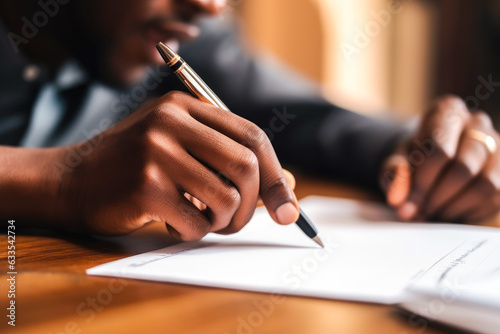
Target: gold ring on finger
(487,140)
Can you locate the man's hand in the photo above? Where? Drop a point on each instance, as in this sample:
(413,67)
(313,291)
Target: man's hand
(450,170)
(144,166)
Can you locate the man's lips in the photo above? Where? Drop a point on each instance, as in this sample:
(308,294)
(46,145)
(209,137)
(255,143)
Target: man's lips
(169,32)
(162,31)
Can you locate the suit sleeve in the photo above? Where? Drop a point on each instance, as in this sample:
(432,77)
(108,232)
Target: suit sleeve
(307,132)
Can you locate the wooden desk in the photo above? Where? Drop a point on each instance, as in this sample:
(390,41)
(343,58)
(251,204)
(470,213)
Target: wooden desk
(54,295)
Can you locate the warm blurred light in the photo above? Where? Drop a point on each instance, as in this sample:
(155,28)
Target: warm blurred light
(372,55)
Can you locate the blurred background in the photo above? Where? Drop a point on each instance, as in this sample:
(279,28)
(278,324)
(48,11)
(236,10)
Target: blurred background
(384,57)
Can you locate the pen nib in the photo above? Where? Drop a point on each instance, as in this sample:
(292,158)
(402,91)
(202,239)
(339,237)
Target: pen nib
(318,241)
(166,53)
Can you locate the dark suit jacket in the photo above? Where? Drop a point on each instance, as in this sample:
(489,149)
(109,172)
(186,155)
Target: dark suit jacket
(315,135)
(307,132)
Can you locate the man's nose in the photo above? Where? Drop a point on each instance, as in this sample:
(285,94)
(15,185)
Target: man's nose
(210,7)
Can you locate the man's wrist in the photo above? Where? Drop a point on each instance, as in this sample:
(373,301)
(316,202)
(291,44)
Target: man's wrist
(30,187)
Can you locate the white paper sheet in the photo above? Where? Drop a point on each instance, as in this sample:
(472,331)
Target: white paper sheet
(364,259)
(462,289)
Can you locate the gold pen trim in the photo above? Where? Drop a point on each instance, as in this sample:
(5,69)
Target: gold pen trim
(174,60)
(181,68)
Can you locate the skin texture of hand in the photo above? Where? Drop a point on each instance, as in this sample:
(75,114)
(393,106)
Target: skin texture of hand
(442,173)
(144,166)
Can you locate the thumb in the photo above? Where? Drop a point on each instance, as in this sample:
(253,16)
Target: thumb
(396,179)
(279,199)
(290,179)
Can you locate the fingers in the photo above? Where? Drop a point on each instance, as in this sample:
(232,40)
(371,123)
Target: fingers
(274,189)
(485,210)
(185,221)
(163,201)
(217,199)
(457,178)
(471,199)
(290,179)
(470,160)
(221,198)
(396,179)
(231,161)
(433,148)
(481,196)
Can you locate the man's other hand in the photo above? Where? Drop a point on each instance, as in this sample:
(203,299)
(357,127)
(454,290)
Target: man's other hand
(449,170)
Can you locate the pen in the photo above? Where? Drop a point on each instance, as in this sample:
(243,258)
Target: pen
(201,90)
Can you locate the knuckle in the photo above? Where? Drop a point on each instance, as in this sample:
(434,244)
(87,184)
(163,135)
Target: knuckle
(167,111)
(148,179)
(246,166)
(158,113)
(276,188)
(452,102)
(230,199)
(452,108)
(157,141)
(482,119)
(155,119)
(173,96)
(152,142)
(257,138)
(149,138)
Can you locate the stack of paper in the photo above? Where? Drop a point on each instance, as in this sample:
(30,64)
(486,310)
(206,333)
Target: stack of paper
(366,258)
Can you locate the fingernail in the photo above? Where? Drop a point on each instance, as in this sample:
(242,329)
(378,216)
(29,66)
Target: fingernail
(408,210)
(287,213)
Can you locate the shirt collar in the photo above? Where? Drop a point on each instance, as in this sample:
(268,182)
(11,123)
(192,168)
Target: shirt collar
(70,75)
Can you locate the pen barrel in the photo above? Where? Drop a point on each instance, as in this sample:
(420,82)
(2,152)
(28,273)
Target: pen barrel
(198,87)
(306,227)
